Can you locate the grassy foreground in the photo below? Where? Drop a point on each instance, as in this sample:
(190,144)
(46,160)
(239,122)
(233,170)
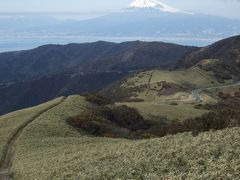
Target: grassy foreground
(10,123)
(50,149)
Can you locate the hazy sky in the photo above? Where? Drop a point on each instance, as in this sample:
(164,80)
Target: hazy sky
(230,8)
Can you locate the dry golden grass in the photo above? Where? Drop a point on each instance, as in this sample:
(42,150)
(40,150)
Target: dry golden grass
(51,149)
(11,122)
(226,90)
(149,110)
(192,77)
(156,104)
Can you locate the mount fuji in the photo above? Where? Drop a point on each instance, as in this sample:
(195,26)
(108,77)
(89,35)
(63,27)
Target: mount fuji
(153,4)
(153,20)
(147,20)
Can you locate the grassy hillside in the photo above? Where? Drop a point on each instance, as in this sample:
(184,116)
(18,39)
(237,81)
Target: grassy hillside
(81,137)
(166,93)
(154,112)
(10,123)
(49,148)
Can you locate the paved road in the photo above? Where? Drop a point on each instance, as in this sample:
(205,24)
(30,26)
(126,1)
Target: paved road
(196,92)
(196,95)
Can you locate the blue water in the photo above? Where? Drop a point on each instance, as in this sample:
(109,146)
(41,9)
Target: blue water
(29,43)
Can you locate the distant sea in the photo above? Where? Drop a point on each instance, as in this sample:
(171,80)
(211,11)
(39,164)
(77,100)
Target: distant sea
(15,44)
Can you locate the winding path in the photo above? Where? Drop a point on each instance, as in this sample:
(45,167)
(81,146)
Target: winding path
(196,93)
(6,163)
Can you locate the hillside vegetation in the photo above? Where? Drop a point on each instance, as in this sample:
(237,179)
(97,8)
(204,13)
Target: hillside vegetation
(89,58)
(14,96)
(222,58)
(165,93)
(11,123)
(49,148)
(153,124)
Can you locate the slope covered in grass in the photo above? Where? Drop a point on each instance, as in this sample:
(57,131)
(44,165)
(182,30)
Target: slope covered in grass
(51,149)
(154,110)
(164,93)
(10,123)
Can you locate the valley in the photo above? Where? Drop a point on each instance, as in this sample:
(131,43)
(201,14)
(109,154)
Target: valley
(132,102)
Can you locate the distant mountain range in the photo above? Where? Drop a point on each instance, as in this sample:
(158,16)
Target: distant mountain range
(33,76)
(147,20)
(88,58)
(151,18)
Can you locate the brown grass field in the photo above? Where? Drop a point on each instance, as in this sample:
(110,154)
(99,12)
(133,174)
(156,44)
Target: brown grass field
(49,148)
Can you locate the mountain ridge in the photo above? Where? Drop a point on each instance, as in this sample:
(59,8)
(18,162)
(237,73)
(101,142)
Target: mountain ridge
(100,56)
(77,68)
(222,57)
(25,76)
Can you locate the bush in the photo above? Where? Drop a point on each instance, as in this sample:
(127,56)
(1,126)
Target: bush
(124,116)
(135,100)
(213,121)
(224,95)
(237,94)
(147,136)
(118,121)
(126,122)
(93,124)
(127,117)
(173,103)
(97,99)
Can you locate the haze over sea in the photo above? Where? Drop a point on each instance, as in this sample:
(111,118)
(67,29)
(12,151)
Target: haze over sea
(32,42)
(14,39)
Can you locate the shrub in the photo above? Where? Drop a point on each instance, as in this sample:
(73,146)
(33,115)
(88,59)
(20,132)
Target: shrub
(127,117)
(237,94)
(97,99)
(135,100)
(224,95)
(173,103)
(92,123)
(118,121)
(125,122)
(147,136)
(213,120)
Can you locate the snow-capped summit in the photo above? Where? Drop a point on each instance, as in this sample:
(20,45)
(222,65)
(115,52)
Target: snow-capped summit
(153,4)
